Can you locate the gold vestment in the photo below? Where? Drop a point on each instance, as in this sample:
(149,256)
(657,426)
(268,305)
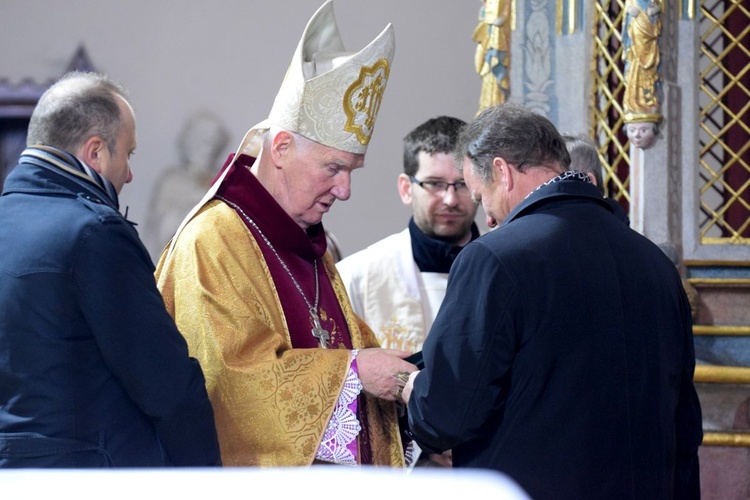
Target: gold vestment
(272,403)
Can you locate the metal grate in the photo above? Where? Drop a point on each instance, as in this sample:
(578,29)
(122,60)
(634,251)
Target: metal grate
(724,134)
(608,86)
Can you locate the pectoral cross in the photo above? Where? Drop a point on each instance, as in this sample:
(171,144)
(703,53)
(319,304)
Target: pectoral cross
(318,331)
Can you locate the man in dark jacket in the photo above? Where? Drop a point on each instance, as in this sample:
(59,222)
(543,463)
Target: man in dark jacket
(93,371)
(562,354)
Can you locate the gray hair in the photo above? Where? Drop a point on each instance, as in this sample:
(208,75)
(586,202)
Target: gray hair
(78,106)
(584,157)
(515,133)
(300,140)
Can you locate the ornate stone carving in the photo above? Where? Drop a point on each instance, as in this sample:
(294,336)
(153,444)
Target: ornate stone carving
(537,56)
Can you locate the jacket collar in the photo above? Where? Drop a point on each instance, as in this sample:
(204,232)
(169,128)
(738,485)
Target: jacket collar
(30,178)
(557,190)
(34,175)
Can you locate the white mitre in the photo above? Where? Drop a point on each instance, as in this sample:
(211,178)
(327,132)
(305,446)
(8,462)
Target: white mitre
(329,95)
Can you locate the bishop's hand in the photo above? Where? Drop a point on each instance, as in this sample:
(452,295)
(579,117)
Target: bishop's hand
(379,369)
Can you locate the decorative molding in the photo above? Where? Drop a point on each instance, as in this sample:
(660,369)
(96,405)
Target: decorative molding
(687,9)
(80,61)
(538,58)
(567,17)
(726,439)
(714,374)
(18,101)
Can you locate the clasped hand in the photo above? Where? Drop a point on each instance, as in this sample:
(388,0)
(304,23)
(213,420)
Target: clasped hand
(383,372)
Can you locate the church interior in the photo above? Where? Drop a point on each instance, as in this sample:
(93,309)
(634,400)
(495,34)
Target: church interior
(661,87)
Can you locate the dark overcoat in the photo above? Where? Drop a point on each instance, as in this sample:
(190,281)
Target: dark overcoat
(563,357)
(93,371)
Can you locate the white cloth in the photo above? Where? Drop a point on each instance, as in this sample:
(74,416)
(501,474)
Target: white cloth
(310,483)
(390,294)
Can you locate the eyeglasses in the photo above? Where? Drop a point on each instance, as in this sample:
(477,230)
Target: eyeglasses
(439,188)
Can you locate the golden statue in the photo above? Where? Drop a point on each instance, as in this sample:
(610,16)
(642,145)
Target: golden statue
(640,39)
(492,58)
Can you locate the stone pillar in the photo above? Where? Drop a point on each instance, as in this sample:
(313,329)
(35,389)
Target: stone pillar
(655,174)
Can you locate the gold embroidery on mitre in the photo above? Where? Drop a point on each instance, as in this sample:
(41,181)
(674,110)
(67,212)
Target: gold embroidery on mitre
(363,98)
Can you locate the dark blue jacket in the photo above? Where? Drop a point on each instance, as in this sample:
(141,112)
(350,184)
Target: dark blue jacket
(93,371)
(563,356)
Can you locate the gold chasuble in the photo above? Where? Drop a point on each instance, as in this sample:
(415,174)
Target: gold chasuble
(272,401)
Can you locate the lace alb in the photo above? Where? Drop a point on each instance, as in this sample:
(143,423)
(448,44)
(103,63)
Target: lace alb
(343,428)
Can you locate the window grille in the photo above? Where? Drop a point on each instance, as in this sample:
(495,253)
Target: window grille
(724,134)
(608,86)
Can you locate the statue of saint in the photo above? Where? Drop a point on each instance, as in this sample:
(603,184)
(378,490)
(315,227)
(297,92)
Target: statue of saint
(200,144)
(492,58)
(640,39)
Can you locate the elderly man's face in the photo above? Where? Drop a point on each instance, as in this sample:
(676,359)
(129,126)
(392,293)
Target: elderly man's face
(314,177)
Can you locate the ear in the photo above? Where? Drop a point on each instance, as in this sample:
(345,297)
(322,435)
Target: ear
(592,177)
(92,152)
(404,189)
(504,172)
(281,146)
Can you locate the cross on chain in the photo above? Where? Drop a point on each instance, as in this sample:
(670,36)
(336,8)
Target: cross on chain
(318,331)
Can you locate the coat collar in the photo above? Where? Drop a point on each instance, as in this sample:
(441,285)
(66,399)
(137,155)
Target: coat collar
(557,190)
(31,178)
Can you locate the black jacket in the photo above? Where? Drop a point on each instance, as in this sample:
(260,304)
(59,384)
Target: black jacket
(563,356)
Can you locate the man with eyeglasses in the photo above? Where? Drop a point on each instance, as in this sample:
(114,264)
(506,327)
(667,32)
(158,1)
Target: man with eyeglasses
(397,284)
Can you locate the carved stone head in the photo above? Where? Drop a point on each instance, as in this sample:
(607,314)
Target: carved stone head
(642,134)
